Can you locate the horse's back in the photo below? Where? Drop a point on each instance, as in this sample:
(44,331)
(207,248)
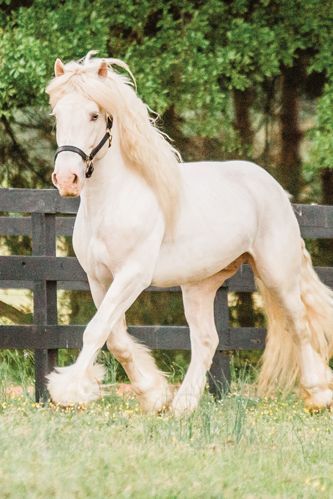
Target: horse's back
(240,176)
(233,189)
(238,185)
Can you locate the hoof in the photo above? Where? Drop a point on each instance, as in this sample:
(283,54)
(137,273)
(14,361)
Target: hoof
(155,400)
(184,404)
(317,399)
(67,387)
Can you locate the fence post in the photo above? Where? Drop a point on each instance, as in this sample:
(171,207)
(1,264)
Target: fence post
(219,375)
(45,297)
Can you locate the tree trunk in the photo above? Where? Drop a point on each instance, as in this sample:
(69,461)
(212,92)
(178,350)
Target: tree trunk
(289,171)
(326,245)
(190,148)
(326,177)
(242,123)
(171,124)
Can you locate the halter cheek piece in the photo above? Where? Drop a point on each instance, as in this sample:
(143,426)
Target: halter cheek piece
(88,159)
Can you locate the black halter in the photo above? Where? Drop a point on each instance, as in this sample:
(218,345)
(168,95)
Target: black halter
(89,158)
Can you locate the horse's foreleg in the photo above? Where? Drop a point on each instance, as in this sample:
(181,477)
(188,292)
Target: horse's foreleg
(79,383)
(149,384)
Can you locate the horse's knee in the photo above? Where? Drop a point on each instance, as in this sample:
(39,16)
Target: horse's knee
(210,341)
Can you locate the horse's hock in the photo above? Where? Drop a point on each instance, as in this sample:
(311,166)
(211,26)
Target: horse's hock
(43,215)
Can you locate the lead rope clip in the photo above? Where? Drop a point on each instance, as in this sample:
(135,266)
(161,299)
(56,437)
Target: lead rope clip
(90,169)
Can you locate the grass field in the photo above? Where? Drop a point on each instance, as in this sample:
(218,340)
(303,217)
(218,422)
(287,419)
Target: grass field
(239,447)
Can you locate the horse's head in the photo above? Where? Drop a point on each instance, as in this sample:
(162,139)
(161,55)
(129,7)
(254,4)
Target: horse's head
(85,95)
(81,124)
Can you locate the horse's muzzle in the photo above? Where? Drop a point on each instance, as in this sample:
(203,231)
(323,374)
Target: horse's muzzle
(67,185)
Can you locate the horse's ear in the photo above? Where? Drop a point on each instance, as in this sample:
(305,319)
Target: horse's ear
(103,69)
(59,68)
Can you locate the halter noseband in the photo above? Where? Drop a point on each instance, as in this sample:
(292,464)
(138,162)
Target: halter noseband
(89,158)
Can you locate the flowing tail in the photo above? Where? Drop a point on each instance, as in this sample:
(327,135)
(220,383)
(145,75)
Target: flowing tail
(280,361)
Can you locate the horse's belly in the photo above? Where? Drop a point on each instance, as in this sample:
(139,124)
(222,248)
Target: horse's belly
(198,259)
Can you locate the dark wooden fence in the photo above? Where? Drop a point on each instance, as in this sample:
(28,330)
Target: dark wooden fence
(41,216)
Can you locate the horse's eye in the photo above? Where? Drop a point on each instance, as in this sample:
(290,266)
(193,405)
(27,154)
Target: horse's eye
(94,117)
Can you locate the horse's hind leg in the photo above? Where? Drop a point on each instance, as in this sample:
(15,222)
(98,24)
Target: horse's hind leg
(198,301)
(297,349)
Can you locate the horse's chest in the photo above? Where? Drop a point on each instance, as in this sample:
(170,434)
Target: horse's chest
(92,252)
(98,256)
(100,251)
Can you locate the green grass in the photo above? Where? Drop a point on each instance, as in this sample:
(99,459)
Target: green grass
(239,447)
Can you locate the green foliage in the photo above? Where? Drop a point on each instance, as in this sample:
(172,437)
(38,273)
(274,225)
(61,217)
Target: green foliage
(188,57)
(322,134)
(184,55)
(32,38)
(16,368)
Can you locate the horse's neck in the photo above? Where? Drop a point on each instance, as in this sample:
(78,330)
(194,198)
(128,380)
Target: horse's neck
(102,191)
(112,188)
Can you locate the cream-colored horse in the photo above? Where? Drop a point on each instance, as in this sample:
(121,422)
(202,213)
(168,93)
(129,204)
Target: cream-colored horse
(146,219)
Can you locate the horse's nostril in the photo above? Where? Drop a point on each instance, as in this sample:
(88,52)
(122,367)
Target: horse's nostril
(54,179)
(75,179)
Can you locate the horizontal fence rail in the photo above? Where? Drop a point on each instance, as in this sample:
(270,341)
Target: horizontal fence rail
(25,269)
(43,215)
(155,337)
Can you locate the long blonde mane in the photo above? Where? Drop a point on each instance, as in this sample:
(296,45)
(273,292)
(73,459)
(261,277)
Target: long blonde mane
(143,146)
